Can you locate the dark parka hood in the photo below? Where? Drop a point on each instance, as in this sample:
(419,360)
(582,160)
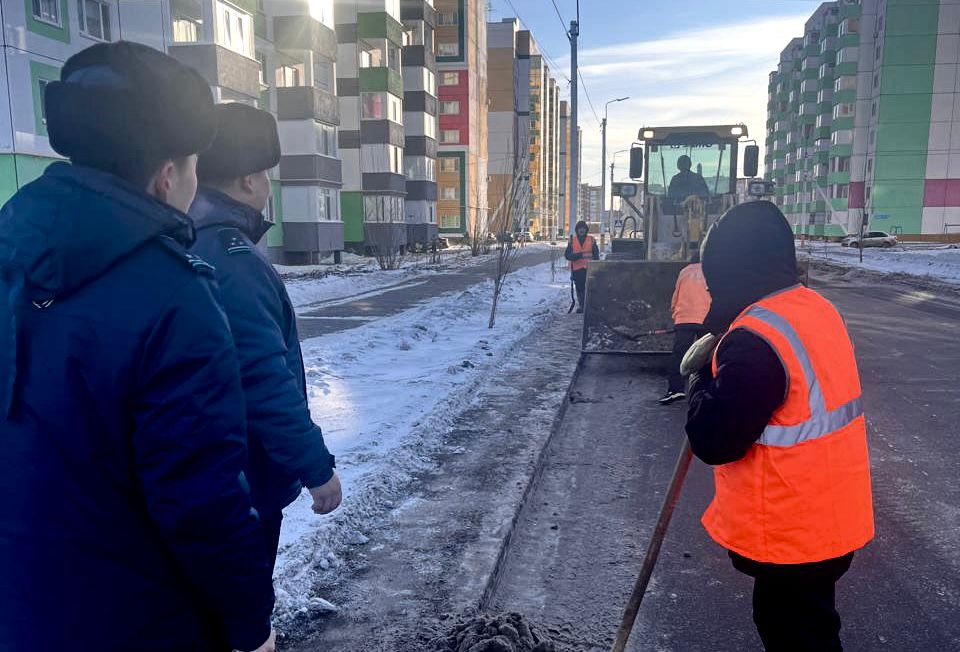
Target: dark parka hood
(748,254)
(64,230)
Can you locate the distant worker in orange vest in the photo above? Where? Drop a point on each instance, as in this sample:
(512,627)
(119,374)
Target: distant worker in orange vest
(777,409)
(690,304)
(580,250)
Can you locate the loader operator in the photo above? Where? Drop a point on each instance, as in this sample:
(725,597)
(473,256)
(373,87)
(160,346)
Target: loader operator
(580,250)
(776,408)
(686,183)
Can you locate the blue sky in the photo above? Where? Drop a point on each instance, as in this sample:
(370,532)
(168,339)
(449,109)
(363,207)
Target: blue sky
(681,62)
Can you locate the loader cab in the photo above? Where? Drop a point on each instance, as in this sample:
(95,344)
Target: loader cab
(689,179)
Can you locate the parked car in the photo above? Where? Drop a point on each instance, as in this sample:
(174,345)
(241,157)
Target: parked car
(871,239)
(526,236)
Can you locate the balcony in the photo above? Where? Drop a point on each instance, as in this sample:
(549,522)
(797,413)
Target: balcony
(809,108)
(221,67)
(304,33)
(307,103)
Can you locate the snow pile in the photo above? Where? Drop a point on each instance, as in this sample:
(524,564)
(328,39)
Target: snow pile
(935,263)
(384,394)
(488,633)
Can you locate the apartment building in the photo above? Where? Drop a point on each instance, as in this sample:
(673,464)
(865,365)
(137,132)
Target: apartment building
(370,91)
(420,119)
(860,114)
(591,208)
(302,93)
(248,51)
(461,40)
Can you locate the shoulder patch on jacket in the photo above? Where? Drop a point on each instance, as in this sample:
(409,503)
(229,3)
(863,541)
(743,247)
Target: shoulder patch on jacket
(196,263)
(233,241)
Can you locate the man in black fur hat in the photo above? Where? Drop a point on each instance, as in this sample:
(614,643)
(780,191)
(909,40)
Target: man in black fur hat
(287,451)
(125,523)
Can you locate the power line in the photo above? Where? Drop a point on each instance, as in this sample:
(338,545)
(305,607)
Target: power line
(563,23)
(585,92)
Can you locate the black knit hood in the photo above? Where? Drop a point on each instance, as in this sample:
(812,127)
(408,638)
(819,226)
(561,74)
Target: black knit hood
(748,254)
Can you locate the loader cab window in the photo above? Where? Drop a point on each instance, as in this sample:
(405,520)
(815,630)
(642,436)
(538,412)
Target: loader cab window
(680,171)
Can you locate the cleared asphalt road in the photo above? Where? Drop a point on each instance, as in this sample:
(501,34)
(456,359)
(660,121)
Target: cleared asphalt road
(349,312)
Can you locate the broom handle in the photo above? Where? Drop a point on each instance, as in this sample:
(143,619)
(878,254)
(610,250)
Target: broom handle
(653,549)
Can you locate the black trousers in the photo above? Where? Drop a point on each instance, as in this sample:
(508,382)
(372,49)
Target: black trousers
(580,282)
(270,524)
(794,605)
(683,338)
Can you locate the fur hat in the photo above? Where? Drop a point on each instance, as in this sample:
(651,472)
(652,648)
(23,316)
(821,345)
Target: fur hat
(246,142)
(125,103)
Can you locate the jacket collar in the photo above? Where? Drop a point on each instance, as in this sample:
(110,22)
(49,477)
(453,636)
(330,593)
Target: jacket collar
(214,208)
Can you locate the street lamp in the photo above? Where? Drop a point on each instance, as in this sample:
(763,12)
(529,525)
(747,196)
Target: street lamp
(603,162)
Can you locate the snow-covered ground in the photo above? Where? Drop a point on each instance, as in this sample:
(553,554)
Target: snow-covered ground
(383,393)
(311,284)
(940,263)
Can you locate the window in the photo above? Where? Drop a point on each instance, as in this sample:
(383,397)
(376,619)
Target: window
(841,191)
(383,208)
(869,165)
(430,126)
(233,29)
(381,158)
(323,73)
(867,193)
(450,79)
(429,82)
(420,168)
(873,109)
(449,193)
(449,164)
(370,56)
(94,19)
(289,76)
(262,60)
(47,11)
(845,83)
(329,204)
(187,19)
(843,110)
(448,49)
(447,18)
(373,106)
(393,57)
(450,136)
(326,139)
(449,221)
(42,85)
(450,107)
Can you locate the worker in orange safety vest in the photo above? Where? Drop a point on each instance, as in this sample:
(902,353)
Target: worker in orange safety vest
(581,249)
(691,301)
(776,408)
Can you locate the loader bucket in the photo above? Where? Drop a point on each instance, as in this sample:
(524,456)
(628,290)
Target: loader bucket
(625,300)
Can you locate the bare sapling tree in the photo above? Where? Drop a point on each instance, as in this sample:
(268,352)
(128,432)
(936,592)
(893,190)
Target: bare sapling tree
(478,232)
(385,242)
(512,208)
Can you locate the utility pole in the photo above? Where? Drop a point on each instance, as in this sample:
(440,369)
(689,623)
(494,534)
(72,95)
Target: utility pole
(574,131)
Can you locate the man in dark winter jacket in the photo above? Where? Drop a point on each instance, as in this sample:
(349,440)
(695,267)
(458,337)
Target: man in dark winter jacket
(124,522)
(287,450)
(581,248)
(777,409)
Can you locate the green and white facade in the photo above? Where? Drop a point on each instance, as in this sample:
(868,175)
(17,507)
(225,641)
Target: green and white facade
(276,54)
(864,119)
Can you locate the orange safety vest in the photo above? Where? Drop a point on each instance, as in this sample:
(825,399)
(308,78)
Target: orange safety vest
(586,248)
(802,492)
(691,299)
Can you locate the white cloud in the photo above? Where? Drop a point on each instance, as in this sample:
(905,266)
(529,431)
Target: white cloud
(711,75)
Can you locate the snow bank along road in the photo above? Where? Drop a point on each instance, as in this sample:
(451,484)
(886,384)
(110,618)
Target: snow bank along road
(385,391)
(939,263)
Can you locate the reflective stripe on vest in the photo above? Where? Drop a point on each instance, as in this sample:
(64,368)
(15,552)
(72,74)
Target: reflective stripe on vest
(822,421)
(586,248)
